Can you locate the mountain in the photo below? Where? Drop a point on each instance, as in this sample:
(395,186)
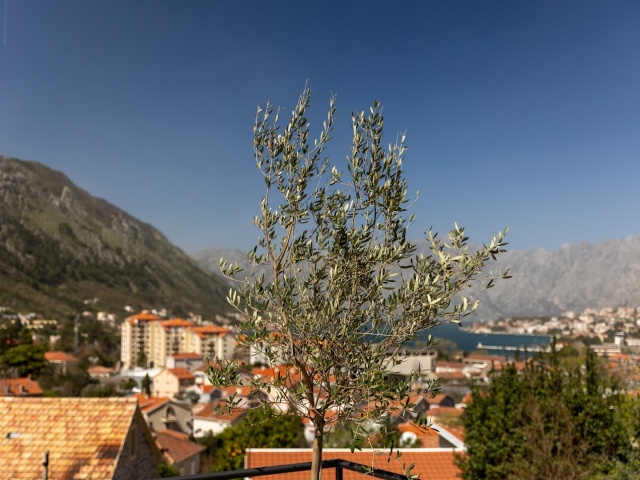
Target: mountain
(573,277)
(60,246)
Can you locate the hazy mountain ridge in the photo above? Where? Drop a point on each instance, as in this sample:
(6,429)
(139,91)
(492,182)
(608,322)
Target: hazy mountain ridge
(60,245)
(572,277)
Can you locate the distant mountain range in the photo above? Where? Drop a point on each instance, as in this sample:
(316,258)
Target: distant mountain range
(60,246)
(573,277)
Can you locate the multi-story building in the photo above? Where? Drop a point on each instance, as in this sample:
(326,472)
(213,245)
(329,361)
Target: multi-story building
(213,341)
(169,337)
(148,340)
(136,341)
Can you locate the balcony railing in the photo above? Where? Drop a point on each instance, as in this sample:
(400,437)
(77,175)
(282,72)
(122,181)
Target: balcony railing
(339,465)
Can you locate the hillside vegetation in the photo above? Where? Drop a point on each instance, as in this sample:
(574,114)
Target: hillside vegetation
(59,246)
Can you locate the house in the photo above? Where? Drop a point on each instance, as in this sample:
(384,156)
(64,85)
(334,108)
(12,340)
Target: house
(165,413)
(206,393)
(414,360)
(101,372)
(441,400)
(215,418)
(172,382)
(179,451)
(96,438)
(430,463)
(19,387)
(282,379)
(60,359)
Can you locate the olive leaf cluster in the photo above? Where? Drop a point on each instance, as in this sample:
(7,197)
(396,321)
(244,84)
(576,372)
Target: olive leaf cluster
(346,290)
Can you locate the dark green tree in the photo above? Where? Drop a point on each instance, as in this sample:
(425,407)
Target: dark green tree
(545,422)
(9,334)
(23,360)
(146,384)
(165,471)
(261,429)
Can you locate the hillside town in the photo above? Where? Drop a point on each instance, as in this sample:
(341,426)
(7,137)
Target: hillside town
(164,369)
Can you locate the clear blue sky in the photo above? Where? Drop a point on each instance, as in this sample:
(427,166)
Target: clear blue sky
(524,114)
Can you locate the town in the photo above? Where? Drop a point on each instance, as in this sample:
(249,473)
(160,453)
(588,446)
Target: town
(165,362)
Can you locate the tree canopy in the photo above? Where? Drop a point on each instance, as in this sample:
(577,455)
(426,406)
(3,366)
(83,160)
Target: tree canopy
(347,290)
(546,422)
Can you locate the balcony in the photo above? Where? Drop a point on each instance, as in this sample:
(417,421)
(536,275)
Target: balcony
(327,465)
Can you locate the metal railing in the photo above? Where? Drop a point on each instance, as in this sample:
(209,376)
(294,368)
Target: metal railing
(338,464)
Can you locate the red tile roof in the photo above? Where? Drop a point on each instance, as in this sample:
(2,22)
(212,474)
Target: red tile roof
(176,323)
(148,403)
(428,438)
(176,445)
(220,412)
(98,369)
(19,387)
(83,435)
(445,412)
(187,355)
(57,357)
(431,464)
(142,317)
(182,373)
(211,330)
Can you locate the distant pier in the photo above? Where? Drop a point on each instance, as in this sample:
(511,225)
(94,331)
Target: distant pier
(522,348)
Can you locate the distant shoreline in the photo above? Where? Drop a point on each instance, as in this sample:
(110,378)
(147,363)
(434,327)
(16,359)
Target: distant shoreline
(470,330)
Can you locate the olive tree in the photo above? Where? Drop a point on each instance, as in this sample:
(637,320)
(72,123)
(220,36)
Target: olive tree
(346,290)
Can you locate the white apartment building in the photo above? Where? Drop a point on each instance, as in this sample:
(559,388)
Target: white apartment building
(147,340)
(135,341)
(213,341)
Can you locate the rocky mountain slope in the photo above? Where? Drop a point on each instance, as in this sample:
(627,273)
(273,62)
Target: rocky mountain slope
(59,246)
(573,277)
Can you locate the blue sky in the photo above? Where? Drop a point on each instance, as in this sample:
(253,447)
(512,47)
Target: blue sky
(524,114)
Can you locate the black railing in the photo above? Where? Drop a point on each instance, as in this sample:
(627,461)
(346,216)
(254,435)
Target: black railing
(339,465)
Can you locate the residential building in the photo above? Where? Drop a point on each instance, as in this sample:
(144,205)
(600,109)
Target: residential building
(170,337)
(136,341)
(96,438)
(19,387)
(213,342)
(172,382)
(148,340)
(61,360)
(215,418)
(99,371)
(163,413)
(415,360)
(179,451)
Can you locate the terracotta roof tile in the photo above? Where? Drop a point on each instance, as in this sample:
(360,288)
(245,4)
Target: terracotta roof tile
(188,355)
(148,403)
(176,322)
(182,373)
(19,387)
(177,446)
(60,357)
(431,464)
(219,412)
(83,435)
(202,332)
(142,317)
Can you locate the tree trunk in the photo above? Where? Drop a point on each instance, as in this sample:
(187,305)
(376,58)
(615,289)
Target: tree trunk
(316,458)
